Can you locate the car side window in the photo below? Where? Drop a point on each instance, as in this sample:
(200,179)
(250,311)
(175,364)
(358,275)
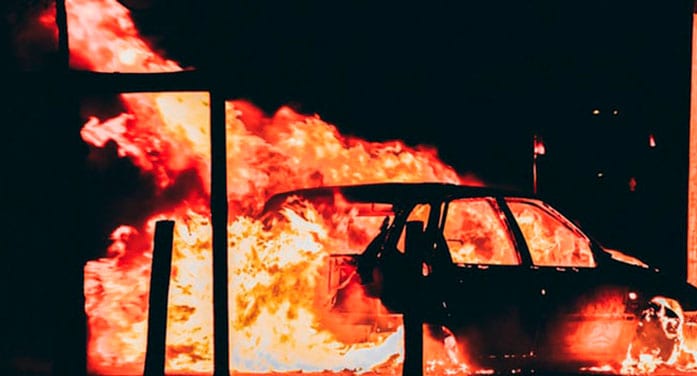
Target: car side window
(419,213)
(552,241)
(476,233)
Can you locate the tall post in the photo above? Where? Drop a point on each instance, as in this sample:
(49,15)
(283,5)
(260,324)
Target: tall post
(219,219)
(218,76)
(62,25)
(538,148)
(412,317)
(534,164)
(70,332)
(159,290)
(534,173)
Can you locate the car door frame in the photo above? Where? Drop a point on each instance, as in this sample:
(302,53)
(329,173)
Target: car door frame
(552,287)
(524,285)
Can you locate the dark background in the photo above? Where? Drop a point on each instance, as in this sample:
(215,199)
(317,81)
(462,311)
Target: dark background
(477,80)
(474,79)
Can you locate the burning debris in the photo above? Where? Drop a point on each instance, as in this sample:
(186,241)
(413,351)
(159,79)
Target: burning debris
(659,343)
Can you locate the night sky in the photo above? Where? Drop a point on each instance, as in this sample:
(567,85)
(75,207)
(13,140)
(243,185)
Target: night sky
(474,79)
(477,80)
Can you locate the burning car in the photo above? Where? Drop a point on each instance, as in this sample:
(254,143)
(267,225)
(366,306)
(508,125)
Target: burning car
(515,282)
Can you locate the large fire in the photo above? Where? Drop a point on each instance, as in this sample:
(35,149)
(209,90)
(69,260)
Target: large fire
(278,265)
(274,268)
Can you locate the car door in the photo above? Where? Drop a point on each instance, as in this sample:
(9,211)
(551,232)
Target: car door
(584,311)
(492,300)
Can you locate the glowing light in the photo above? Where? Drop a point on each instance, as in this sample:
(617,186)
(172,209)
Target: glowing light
(632,184)
(128,57)
(623,257)
(652,141)
(632,295)
(538,146)
(692,173)
(596,112)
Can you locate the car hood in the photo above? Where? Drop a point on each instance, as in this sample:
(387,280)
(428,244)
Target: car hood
(654,281)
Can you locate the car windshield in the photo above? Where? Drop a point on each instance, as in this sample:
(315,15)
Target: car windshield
(551,239)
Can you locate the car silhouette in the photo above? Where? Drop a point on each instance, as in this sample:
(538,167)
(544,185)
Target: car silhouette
(515,282)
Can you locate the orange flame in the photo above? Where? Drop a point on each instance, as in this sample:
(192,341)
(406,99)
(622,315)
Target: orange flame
(275,268)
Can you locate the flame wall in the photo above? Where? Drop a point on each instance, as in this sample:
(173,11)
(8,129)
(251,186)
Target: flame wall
(275,267)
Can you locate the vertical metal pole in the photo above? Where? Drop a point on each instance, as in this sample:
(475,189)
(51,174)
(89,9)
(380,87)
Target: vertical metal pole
(534,172)
(219,219)
(534,164)
(159,289)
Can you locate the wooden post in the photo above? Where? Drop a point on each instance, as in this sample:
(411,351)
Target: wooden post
(70,333)
(413,320)
(159,290)
(219,214)
(63,62)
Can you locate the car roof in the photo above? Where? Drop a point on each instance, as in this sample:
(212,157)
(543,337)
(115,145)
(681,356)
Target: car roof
(391,193)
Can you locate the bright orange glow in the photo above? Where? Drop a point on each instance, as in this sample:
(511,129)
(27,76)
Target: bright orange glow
(281,277)
(278,267)
(682,358)
(475,234)
(692,174)
(538,146)
(551,242)
(623,257)
(103,38)
(599,336)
